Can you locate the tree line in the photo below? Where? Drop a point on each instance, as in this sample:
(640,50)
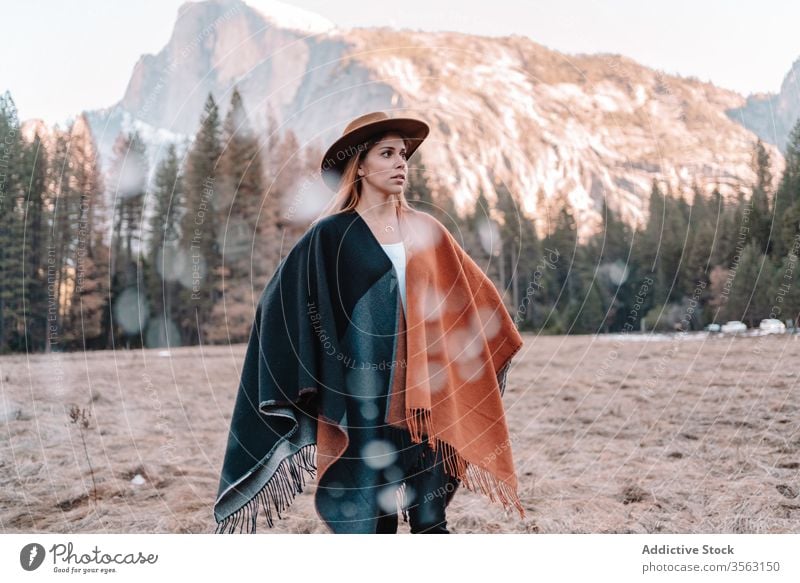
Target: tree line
(182,253)
(696,259)
(130,257)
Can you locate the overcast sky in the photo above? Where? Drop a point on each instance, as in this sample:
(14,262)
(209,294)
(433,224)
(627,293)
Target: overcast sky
(61,57)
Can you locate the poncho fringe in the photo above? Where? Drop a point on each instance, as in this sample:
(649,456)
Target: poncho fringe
(289,479)
(472,476)
(278,493)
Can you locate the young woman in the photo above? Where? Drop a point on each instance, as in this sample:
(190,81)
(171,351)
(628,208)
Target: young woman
(381,347)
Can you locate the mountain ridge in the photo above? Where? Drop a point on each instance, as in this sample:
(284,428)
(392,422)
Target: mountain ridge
(502,109)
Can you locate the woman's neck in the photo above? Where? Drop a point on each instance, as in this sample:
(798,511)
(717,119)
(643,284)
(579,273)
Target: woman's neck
(377,206)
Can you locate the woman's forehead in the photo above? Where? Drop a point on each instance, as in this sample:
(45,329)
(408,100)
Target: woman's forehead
(391,140)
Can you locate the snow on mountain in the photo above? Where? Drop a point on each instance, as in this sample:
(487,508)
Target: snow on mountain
(291,17)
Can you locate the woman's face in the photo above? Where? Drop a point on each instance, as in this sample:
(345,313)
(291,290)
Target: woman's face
(384,167)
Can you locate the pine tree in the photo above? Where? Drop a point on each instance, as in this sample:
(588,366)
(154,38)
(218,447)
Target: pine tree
(510,244)
(58,236)
(284,163)
(648,251)
(35,168)
(717,213)
(593,316)
(737,233)
(480,238)
(566,286)
(90,290)
(763,299)
(742,279)
(249,237)
(12,223)
(673,246)
(702,228)
(200,228)
(241,190)
(620,234)
(644,255)
(532,273)
(760,217)
(165,263)
(608,264)
(787,199)
(128,185)
(73,192)
(785,289)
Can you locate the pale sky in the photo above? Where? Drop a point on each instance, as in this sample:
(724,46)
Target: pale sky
(59,58)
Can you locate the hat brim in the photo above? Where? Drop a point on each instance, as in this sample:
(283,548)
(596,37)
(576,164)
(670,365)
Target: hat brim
(336,157)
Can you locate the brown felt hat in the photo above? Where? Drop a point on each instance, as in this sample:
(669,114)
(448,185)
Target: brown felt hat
(359,131)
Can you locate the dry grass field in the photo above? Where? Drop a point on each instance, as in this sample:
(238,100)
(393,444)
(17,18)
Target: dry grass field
(611,434)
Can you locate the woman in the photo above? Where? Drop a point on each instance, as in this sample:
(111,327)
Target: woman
(380,346)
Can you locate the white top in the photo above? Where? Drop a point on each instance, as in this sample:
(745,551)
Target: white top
(397,253)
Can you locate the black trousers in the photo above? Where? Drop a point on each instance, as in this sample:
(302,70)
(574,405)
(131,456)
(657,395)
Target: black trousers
(427,486)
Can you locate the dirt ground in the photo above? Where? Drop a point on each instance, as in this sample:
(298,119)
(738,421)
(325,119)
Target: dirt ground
(610,434)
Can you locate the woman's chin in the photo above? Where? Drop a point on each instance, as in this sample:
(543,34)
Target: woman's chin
(394,188)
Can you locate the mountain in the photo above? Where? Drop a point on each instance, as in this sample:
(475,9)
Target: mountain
(772,116)
(504,109)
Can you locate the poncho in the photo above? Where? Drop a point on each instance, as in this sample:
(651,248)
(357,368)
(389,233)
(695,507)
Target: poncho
(331,357)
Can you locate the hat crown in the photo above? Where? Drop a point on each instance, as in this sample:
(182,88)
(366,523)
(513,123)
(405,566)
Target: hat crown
(364,120)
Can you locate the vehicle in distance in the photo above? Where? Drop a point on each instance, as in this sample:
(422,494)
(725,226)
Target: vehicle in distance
(733,327)
(772,326)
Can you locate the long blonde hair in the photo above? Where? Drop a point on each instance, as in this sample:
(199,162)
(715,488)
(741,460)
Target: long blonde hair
(349,193)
